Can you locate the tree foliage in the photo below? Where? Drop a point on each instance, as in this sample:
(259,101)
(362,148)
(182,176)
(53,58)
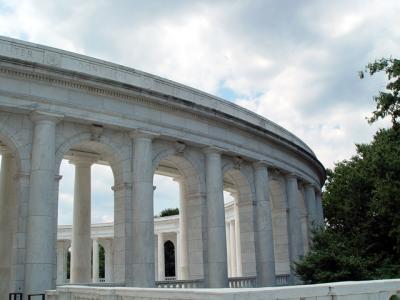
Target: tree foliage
(169,212)
(361,239)
(387,102)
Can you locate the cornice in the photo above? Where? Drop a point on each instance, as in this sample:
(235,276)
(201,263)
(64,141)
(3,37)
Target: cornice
(139,96)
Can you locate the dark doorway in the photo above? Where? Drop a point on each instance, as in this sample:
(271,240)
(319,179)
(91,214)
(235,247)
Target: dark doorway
(169,258)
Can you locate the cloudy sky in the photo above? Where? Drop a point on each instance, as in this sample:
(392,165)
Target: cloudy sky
(294,62)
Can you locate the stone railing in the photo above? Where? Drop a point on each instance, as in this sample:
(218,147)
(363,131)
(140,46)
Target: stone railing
(170,278)
(183,284)
(352,290)
(242,282)
(282,280)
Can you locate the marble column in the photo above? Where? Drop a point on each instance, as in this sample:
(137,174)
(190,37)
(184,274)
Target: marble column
(108,259)
(309,196)
(183,232)
(232,246)
(161,257)
(265,256)
(228,249)
(216,239)
(62,252)
(40,239)
(294,223)
(81,244)
(6,230)
(239,271)
(95,261)
(142,205)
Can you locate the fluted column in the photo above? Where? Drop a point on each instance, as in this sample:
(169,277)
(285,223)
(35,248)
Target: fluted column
(5,222)
(161,257)
(265,256)
(309,196)
(238,250)
(81,244)
(294,222)
(142,222)
(232,246)
(40,239)
(95,259)
(216,243)
(183,273)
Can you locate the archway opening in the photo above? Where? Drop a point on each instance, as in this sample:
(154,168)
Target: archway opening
(239,224)
(181,227)
(87,199)
(169,258)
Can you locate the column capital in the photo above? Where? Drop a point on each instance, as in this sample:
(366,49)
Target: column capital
(195,195)
(121,186)
(213,150)
(21,175)
(142,134)
(41,116)
(291,175)
(263,164)
(310,185)
(83,158)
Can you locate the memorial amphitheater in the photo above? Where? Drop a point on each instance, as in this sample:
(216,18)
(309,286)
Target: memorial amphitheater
(57,105)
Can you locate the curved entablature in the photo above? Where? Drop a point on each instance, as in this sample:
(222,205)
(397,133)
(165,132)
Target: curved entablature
(112,81)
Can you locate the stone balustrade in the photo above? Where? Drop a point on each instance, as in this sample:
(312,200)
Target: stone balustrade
(242,282)
(183,284)
(378,289)
(282,280)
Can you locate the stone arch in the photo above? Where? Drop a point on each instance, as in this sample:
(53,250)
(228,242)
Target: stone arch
(17,140)
(188,163)
(277,194)
(21,154)
(111,150)
(192,194)
(112,145)
(241,178)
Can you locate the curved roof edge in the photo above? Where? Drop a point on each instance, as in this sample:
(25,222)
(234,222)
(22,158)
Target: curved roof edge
(57,58)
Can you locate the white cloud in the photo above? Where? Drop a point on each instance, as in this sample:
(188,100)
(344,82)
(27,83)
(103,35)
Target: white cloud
(291,61)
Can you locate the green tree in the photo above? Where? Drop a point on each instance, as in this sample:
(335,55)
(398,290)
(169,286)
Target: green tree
(387,102)
(361,239)
(102,258)
(169,212)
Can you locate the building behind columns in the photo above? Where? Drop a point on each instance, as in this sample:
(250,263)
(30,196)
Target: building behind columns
(57,105)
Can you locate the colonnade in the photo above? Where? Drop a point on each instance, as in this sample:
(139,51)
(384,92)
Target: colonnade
(221,241)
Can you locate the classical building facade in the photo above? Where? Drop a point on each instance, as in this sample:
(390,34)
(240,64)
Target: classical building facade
(57,105)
